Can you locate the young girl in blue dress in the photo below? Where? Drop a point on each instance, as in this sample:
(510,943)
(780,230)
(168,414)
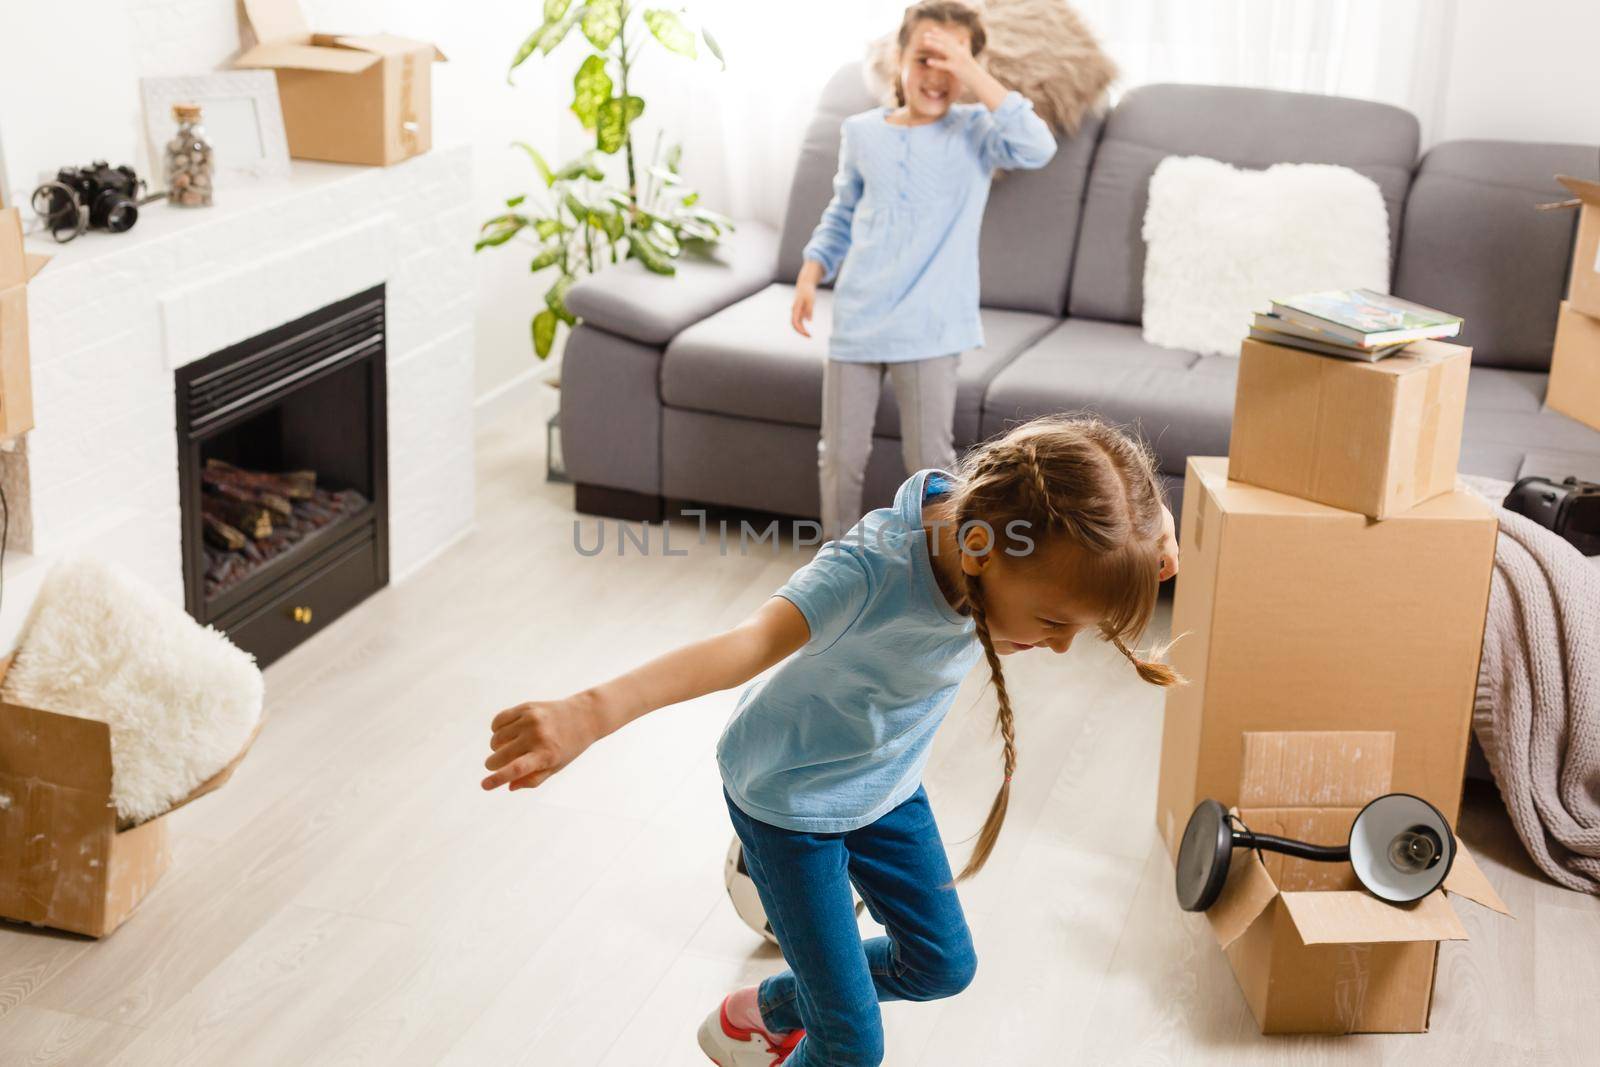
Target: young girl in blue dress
(1055,529)
(900,241)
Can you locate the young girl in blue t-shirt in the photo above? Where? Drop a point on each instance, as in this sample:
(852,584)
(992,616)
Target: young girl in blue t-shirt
(901,234)
(1054,529)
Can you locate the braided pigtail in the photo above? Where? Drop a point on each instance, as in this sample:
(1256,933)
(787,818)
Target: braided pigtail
(1004,721)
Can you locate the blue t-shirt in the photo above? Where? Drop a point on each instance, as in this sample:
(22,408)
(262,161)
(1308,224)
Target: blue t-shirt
(839,733)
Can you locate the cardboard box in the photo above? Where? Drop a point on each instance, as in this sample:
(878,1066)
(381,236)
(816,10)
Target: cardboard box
(16,384)
(1584,290)
(1297,616)
(347,99)
(1312,950)
(1574,386)
(64,860)
(1377,438)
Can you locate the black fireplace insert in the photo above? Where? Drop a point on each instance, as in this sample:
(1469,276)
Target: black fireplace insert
(283,476)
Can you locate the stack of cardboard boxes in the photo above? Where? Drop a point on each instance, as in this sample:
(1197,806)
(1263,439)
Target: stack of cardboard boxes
(1334,585)
(1574,387)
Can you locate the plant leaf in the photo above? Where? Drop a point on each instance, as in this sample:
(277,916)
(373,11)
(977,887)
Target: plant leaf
(691,200)
(591,87)
(544,332)
(555,298)
(515,201)
(668,177)
(557,32)
(602,19)
(670,31)
(640,248)
(712,46)
(554,9)
(547,257)
(538,161)
(579,209)
(611,125)
(504,227)
(529,44)
(547,228)
(582,167)
(674,158)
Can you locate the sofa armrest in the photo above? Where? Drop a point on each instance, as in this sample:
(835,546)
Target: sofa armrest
(631,302)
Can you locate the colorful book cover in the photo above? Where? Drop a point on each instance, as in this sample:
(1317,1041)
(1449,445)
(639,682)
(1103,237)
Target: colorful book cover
(1368,317)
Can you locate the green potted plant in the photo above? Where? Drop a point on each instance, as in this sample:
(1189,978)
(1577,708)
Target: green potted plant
(583,218)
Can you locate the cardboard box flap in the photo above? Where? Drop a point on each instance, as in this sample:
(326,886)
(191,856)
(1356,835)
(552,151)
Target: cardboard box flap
(36,264)
(13,260)
(1245,896)
(276,21)
(1354,917)
(63,750)
(1584,189)
(1466,879)
(289,56)
(383,44)
(1315,768)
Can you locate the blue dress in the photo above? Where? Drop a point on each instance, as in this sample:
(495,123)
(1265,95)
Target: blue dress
(904,220)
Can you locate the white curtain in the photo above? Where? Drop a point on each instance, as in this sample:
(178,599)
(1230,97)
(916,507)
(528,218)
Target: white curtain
(741,129)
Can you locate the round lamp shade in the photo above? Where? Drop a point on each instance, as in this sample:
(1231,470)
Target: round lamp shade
(1401,848)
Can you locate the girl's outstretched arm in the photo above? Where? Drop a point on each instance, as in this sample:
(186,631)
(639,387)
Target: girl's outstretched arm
(534,740)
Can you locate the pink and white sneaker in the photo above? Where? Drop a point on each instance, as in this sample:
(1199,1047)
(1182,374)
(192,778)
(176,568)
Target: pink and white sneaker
(728,1045)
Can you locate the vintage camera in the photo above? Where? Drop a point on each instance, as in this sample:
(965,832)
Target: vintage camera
(98,196)
(1570,507)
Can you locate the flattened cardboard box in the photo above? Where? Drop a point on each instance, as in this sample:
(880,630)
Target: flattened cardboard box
(1574,387)
(1298,616)
(345,99)
(17,267)
(1377,438)
(64,861)
(1314,952)
(1584,291)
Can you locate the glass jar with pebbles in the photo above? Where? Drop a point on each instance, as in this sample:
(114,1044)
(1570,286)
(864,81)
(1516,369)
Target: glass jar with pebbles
(189,162)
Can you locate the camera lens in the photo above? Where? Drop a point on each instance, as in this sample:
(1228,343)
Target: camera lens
(117,213)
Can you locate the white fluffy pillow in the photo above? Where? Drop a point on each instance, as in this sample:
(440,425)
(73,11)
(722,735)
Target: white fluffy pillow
(181,700)
(1223,243)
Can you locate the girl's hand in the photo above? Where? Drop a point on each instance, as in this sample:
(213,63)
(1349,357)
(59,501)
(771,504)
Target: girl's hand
(950,54)
(532,741)
(1169,545)
(805,297)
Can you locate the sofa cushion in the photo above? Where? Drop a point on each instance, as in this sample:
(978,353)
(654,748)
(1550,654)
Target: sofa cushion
(1179,402)
(1025,249)
(746,361)
(1244,127)
(631,302)
(1507,421)
(1474,245)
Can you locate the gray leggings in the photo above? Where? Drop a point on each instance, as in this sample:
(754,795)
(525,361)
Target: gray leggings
(926,391)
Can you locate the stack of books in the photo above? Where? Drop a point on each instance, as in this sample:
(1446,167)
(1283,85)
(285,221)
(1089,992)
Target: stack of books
(1352,323)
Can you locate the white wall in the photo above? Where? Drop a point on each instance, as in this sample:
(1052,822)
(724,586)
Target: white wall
(1528,71)
(69,100)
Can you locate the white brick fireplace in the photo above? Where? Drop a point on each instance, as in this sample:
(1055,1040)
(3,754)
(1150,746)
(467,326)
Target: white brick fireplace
(113,316)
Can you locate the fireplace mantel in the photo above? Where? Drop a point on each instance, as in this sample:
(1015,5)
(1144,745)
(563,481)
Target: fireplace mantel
(113,316)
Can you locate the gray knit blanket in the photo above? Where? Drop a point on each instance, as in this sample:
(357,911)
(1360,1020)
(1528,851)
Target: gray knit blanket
(1537,713)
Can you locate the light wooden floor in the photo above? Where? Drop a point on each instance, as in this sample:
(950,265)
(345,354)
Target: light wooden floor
(353,897)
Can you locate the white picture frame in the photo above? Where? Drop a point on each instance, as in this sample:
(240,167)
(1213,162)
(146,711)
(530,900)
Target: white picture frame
(240,113)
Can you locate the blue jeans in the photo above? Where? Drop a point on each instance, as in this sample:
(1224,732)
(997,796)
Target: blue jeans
(836,979)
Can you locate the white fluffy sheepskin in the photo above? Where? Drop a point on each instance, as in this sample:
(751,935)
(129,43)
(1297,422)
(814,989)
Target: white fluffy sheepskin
(1224,243)
(180,699)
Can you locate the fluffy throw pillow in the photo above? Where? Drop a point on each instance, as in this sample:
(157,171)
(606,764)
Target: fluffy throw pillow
(1223,243)
(181,700)
(1041,48)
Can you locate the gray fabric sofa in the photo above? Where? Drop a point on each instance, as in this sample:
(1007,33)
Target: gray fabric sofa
(695,388)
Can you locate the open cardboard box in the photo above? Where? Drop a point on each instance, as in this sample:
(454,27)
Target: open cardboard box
(1574,386)
(347,99)
(17,268)
(1584,291)
(64,860)
(1312,950)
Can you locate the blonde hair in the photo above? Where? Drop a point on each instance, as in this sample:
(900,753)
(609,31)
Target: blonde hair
(1081,482)
(949,12)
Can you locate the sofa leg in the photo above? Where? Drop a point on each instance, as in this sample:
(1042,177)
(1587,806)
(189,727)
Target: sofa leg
(621,504)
